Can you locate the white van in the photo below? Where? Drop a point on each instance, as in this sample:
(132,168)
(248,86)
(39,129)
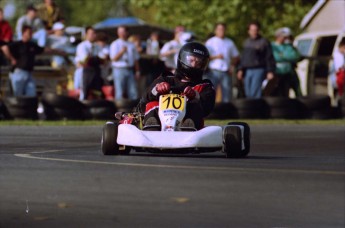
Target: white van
(323,29)
(317,49)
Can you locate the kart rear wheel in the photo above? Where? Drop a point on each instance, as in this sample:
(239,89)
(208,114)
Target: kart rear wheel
(232,141)
(109,145)
(246,136)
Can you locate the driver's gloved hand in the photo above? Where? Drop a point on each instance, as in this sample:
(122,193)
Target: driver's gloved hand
(163,88)
(190,93)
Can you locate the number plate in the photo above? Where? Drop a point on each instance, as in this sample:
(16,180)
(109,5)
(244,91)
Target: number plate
(172,101)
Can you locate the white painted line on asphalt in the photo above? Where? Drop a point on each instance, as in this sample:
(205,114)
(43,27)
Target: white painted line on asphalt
(234,169)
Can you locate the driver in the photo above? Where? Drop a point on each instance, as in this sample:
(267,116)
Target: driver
(192,61)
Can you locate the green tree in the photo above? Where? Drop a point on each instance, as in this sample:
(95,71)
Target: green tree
(201,15)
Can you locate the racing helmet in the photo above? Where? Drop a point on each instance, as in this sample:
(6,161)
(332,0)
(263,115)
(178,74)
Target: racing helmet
(192,60)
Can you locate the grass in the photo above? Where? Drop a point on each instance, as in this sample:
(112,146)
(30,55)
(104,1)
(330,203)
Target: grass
(207,122)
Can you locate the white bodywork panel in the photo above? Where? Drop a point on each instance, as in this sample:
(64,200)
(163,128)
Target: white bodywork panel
(208,137)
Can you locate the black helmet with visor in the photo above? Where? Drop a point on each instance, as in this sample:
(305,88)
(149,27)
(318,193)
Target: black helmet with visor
(192,60)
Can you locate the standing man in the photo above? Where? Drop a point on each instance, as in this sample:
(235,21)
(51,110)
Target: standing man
(257,62)
(31,19)
(125,64)
(5,29)
(22,57)
(89,59)
(223,55)
(169,51)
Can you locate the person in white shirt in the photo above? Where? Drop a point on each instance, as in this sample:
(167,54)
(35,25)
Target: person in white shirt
(223,56)
(169,51)
(89,59)
(124,57)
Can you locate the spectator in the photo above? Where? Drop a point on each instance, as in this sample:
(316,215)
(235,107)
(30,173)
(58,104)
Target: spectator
(286,57)
(338,66)
(295,83)
(135,39)
(102,41)
(154,66)
(257,61)
(223,55)
(5,30)
(152,44)
(31,19)
(22,57)
(89,59)
(170,50)
(49,13)
(124,57)
(58,40)
(5,37)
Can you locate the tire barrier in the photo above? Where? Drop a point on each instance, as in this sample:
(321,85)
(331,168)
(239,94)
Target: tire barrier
(309,107)
(20,108)
(126,105)
(100,109)
(285,108)
(57,107)
(251,108)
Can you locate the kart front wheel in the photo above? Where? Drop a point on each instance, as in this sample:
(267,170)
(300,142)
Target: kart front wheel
(109,145)
(232,142)
(246,136)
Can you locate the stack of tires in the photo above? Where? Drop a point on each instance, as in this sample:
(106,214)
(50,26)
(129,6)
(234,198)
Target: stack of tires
(126,105)
(319,107)
(285,108)
(100,109)
(251,108)
(58,107)
(223,111)
(20,108)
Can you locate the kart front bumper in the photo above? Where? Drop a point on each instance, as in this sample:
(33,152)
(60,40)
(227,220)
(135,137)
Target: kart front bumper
(208,137)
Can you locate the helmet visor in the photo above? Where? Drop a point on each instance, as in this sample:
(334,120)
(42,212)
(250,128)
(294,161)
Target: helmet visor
(193,61)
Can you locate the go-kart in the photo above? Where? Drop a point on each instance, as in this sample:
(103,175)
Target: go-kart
(128,132)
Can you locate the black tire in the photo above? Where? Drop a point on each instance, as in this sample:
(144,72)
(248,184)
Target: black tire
(282,102)
(329,113)
(98,103)
(22,102)
(246,136)
(316,102)
(69,114)
(61,101)
(223,111)
(102,113)
(109,145)
(22,113)
(126,105)
(285,113)
(232,142)
(251,108)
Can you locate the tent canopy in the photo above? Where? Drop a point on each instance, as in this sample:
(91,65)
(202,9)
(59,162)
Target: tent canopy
(135,26)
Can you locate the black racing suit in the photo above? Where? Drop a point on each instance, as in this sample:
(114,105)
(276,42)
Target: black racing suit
(197,109)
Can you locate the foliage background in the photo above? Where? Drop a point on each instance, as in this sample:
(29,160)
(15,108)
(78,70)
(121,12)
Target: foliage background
(198,16)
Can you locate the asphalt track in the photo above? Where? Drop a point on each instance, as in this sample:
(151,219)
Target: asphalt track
(57,177)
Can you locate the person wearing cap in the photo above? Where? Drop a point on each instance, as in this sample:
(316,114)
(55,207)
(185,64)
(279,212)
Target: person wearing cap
(58,40)
(169,52)
(30,19)
(286,57)
(224,56)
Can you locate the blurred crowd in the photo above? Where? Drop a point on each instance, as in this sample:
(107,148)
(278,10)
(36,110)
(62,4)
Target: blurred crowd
(123,68)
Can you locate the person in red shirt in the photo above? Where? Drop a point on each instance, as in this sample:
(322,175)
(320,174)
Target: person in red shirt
(5,29)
